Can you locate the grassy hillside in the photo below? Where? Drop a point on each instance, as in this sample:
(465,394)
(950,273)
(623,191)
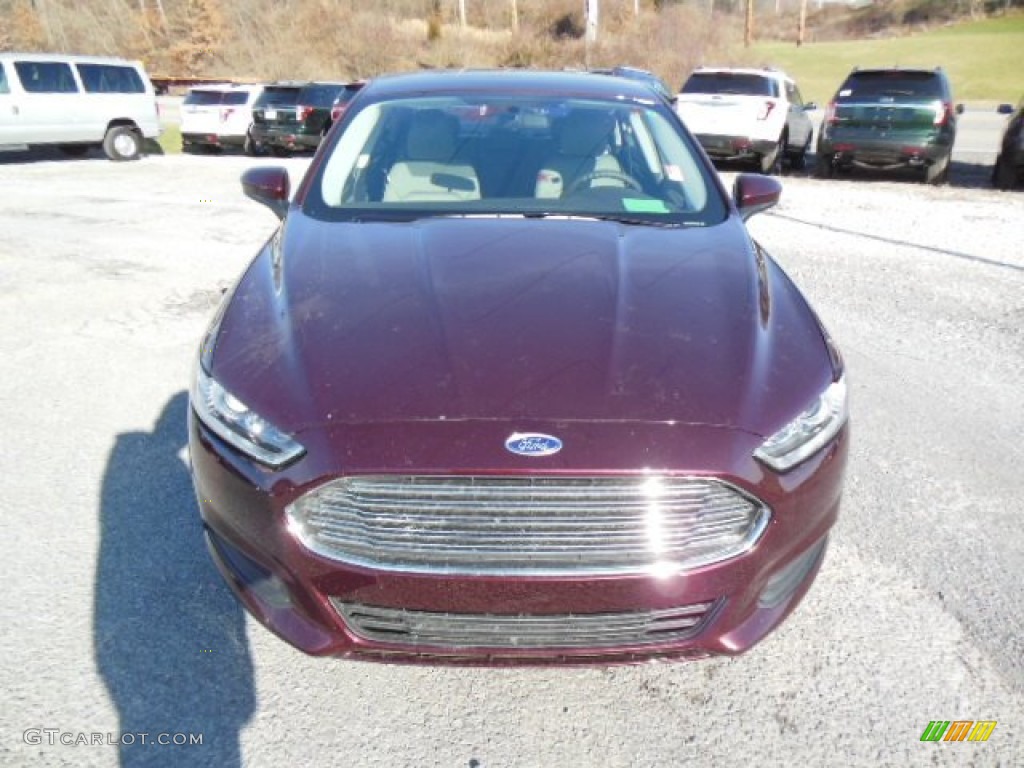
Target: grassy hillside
(984,59)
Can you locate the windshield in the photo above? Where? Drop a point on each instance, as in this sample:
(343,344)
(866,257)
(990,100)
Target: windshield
(415,157)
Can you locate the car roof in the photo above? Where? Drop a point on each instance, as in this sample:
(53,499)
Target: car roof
(509,81)
(225,87)
(909,70)
(301,83)
(73,58)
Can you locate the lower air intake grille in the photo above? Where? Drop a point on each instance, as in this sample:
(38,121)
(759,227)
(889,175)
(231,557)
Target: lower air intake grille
(461,630)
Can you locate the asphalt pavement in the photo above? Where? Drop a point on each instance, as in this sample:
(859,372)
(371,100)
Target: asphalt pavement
(116,624)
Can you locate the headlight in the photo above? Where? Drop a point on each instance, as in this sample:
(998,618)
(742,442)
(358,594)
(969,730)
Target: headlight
(232,420)
(808,432)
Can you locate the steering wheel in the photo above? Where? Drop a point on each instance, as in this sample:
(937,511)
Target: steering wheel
(625,178)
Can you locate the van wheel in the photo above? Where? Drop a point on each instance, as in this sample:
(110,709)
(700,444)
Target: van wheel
(74,150)
(122,142)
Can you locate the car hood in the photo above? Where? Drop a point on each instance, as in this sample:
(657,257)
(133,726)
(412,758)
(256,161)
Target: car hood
(522,321)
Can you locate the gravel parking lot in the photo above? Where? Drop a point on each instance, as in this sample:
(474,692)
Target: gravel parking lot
(116,622)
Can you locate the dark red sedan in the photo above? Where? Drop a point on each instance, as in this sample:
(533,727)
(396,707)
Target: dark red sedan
(512,384)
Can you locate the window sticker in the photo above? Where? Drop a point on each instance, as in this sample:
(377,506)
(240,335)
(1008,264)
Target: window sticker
(636,205)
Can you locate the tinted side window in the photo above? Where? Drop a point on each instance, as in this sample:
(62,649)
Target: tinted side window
(46,76)
(109,78)
(235,97)
(4,87)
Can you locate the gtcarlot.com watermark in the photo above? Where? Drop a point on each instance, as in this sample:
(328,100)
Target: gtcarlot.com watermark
(54,736)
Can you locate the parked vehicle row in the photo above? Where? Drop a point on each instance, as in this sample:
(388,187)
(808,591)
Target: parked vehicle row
(281,117)
(880,119)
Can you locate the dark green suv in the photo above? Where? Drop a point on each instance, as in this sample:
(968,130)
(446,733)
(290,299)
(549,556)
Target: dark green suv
(293,116)
(890,119)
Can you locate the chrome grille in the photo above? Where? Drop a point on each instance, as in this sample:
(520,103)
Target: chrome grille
(528,525)
(460,630)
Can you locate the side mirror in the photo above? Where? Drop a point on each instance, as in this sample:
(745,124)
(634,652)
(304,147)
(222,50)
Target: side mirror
(269,186)
(959,109)
(810,106)
(1005,109)
(754,193)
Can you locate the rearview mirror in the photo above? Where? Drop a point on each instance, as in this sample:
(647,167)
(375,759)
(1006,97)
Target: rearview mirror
(959,109)
(810,106)
(269,186)
(1005,109)
(754,193)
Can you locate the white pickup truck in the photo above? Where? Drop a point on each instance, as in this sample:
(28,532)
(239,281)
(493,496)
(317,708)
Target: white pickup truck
(747,114)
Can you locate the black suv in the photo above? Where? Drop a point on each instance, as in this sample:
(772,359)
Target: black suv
(293,116)
(889,119)
(1009,168)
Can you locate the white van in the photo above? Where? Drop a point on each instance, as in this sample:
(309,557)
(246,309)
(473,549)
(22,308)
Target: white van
(76,102)
(218,116)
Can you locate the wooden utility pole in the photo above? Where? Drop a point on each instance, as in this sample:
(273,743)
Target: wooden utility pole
(462,14)
(748,27)
(592,12)
(515,16)
(801,27)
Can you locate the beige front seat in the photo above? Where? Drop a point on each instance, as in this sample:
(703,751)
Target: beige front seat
(582,148)
(430,172)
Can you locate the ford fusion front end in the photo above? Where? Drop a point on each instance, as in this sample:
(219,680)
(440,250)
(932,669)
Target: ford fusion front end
(459,414)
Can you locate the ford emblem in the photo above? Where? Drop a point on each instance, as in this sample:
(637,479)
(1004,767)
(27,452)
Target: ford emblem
(533,444)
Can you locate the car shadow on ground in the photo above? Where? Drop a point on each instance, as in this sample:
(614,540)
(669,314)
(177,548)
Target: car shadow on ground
(169,636)
(46,154)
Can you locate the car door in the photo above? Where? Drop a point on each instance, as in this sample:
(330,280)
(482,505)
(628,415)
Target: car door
(49,102)
(800,126)
(9,112)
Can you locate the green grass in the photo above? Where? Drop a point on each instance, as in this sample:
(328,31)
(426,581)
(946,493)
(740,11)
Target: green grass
(984,59)
(170,140)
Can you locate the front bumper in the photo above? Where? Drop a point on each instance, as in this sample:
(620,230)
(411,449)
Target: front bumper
(321,606)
